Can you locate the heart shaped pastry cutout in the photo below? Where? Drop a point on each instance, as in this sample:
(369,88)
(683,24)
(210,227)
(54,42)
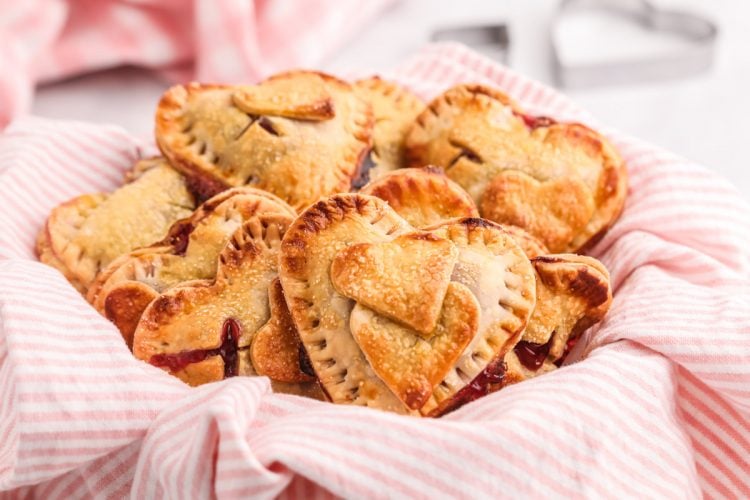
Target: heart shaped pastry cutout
(281,96)
(319,312)
(405,279)
(554,211)
(408,364)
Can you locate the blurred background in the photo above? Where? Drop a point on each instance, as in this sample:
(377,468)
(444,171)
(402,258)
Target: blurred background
(702,117)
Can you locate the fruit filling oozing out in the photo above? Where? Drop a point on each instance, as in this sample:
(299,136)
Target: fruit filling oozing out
(179,237)
(363,173)
(536,121)
(532,355)
(228,351)
(305,364)
(492,376)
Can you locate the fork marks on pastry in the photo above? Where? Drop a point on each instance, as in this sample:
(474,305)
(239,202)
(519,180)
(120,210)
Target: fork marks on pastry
(341,377)
(320,345)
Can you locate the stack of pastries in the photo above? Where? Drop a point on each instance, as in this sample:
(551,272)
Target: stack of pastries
(348,241)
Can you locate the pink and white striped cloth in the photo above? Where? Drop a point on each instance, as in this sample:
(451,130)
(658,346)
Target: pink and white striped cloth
(658,404)
(206,40)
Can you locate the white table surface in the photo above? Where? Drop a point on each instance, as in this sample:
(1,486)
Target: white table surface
(704,118)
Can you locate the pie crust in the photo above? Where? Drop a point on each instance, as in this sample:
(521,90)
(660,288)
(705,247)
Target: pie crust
(85,234)
(300,135)
(573,293)
(493,266)
(201,331)
(190,251)
(562,182)
(275,350)
(530,245)
(320,314)
(422,196)
(395,109)
(367,349)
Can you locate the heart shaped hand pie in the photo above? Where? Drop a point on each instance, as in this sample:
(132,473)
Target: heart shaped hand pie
(362,345)
(201,331)
(555,210)
(123,290)
(299,144)
(320,314)
(394,109)
(422,196)
(422,363)
(404,279)
(476,134)
(86,233)
(573,293)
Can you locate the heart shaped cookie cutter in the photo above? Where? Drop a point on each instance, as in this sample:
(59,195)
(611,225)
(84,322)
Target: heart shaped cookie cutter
(695,58)
(493,40)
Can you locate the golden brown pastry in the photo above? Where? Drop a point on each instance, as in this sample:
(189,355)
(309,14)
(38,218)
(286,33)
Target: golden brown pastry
(573,292)
(422,196)
(190,252)
(300,135)
(493,266)
(563,183)
(426,197)
(275,350)
(202,330)
(399,319)
(395,109)
(88,232)
(530,245)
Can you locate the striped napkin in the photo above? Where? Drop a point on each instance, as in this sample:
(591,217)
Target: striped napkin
(205,40)
(654,402)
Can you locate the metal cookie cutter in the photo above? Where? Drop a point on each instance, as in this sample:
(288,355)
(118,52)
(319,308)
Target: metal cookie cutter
(493,40)
(695,58)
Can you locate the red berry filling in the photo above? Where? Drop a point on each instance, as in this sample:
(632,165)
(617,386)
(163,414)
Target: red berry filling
(536,121)
(228,349)
(483,384)
(532,355)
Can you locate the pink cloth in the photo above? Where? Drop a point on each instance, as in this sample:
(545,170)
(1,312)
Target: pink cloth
(206,40)
(658,405)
